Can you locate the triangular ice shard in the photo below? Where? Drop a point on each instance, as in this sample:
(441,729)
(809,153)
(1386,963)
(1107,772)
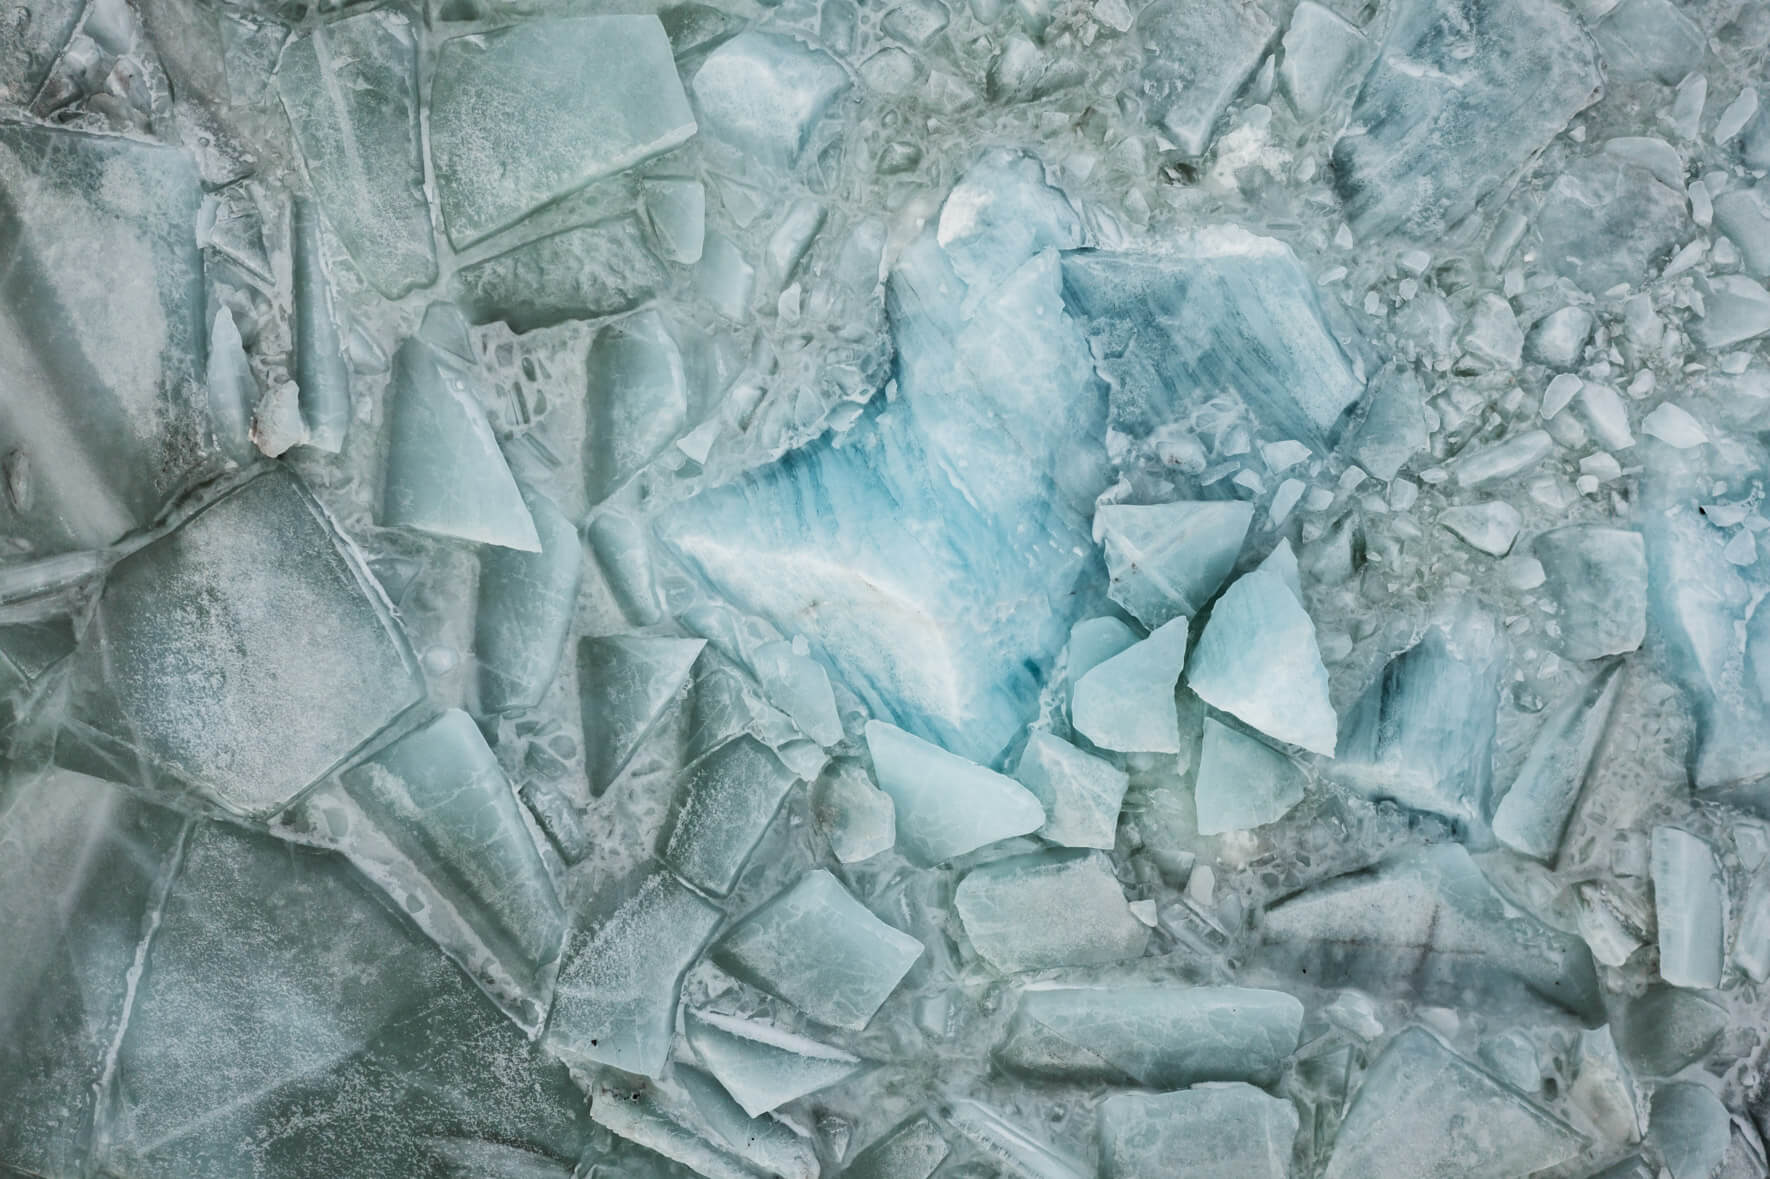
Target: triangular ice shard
(445,474)
(1534,813)
(1127,702)
(1082,794)
(526,605)
(762,1066)
(625,683)
(946,806)
(636,400)
(1259,661)
(1166,560)
(1426,1113)
(1242,782)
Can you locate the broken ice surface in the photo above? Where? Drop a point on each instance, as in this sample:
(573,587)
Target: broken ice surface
(1245,519)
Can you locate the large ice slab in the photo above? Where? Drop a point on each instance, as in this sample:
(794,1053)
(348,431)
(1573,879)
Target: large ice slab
(1598,576)
(821,950)
(351,90)
(1533,815)
(763,93)
(1127,702)
(1607,220)
(1164,1035)
(1422,733)
(1690,901)
(1007,907)
(1462,96)
(763,1066)
(445,473)
(724,802)
(441,830)
(1425,1112)
(621,975)
(105,380)
(521,116)
(1258,660)
(188,677)
(1216,311)
(928,554)
(1231,1131)
(945,805)
(526,605)
(1168,560)
(1426,924)
(1196,55)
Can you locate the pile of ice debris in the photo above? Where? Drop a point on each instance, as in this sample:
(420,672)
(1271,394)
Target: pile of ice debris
(936,588)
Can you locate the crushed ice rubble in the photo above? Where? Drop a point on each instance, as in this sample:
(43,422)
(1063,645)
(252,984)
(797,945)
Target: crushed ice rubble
(962,589)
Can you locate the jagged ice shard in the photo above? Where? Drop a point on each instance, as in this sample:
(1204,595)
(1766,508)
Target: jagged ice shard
(950,589)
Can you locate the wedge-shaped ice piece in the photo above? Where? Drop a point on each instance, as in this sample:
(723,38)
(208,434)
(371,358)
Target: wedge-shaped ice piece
(642,1116)
(623,554)
(763,93)
(946,806)
(445,473)
(1127,702)
(1691,1129)
(351,90)
(625,684)
(526,605)
(1166,1036)
(521,116)
(724,802)
(1463,94)
(1196,55)
(1007,907)
(1242,782)
(233,390)
(799,686)
(821,950)
(928,554)
(1533,815)
(585,272)
(1166,560)
(621,976)
(1220,311)
(1427,925)
(1598,576)
(676,210)
(1319,48)
(637,403)
(1425,1112)
(768,1143)
(1210,1132)
(187,678)
(85,865)
(762,1066)
(1422,733)
(319,347)
(445,837)
(859,819)
(1011,1148)
(1081,793)
(1093,641)
(1690,901)
(1258,660)
(1607,221)
(913,1149)
(105,390)
(283,1013)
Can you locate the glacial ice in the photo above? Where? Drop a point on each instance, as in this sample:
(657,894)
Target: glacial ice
(980,590)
